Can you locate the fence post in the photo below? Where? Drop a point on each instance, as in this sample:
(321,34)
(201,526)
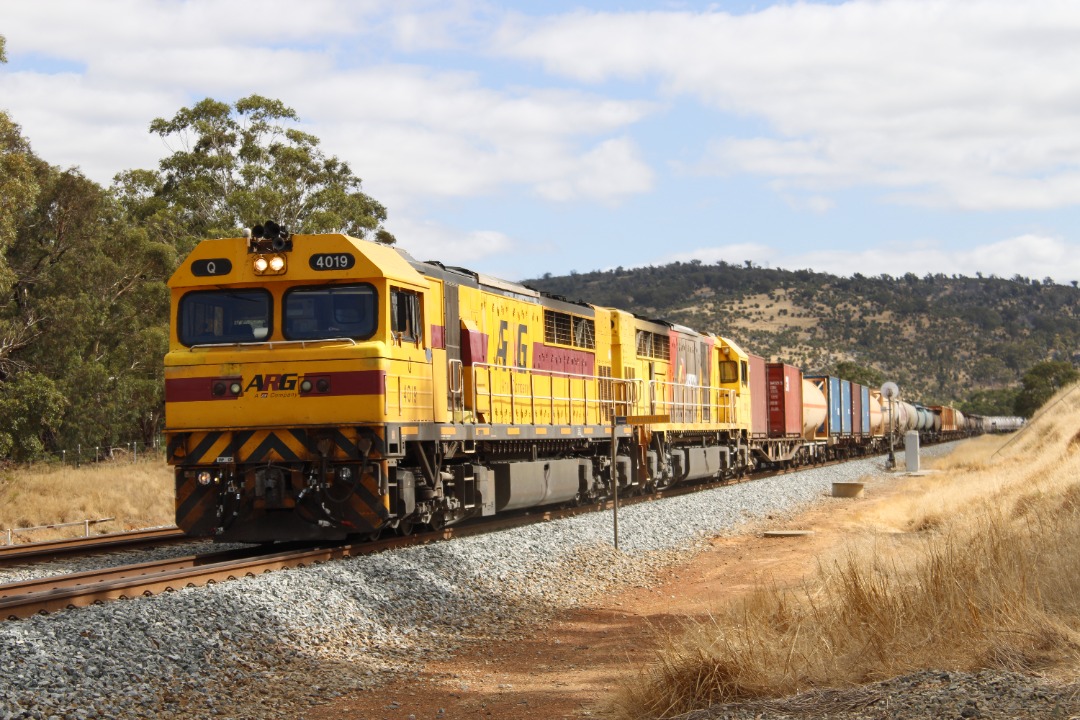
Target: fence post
(79,464)
(135,451)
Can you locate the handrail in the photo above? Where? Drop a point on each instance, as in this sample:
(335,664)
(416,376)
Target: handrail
(561,401)
(271,343)
(692,404)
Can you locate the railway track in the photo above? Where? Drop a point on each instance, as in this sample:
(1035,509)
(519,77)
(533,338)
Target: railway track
(49,550)
(51,594)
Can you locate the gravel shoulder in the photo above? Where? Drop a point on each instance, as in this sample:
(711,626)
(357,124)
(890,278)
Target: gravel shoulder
(570,665)
(538,622)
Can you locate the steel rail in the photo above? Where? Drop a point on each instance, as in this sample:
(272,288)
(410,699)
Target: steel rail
(38,551)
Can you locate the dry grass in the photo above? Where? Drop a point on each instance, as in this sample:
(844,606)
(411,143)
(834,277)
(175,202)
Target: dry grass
(137,494)
(977,565)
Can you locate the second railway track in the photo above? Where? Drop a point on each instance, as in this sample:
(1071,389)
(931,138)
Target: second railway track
(53,549)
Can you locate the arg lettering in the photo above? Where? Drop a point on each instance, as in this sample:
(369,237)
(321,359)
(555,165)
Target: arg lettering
(273,382)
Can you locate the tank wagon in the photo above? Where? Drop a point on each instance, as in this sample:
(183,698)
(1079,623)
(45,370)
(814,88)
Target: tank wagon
(322,386)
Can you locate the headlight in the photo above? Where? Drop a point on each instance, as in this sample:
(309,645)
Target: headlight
(268,264)
(235,388)
(205,477)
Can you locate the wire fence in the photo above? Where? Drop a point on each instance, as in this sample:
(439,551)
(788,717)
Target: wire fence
(131,451)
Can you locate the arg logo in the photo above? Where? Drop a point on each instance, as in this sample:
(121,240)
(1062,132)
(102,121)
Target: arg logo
(284,382)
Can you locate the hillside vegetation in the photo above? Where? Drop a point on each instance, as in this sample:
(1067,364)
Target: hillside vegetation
(942,339)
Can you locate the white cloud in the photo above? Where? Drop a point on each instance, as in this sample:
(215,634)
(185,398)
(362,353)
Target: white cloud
(411,132)
(1029,255)
(426,240)
(971,105)
(610,171)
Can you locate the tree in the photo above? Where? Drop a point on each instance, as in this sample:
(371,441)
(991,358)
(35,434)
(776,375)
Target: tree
(1040,383)
(855,372)
(240,165)
(990,402)
(19,189)
(83,309)
(30,411)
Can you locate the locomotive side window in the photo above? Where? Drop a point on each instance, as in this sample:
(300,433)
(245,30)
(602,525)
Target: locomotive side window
(653,345)
(405,320)
(331,311)
(219,317)
(729,371)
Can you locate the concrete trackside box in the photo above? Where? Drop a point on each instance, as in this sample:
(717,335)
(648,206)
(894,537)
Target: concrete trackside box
(785,400)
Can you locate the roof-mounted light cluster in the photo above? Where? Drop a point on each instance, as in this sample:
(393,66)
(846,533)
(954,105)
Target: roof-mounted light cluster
(268,237)
(268,242)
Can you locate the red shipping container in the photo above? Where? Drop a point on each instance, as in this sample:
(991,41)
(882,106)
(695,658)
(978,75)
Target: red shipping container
(785,400)
(856,410)
(759,402)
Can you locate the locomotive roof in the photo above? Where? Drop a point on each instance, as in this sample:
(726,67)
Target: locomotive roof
(372,260)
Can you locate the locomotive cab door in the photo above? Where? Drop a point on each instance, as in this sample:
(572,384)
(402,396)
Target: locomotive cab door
(455,375)
(409,391)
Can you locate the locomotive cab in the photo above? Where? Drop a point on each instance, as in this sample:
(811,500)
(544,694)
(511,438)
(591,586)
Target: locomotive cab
(287,356)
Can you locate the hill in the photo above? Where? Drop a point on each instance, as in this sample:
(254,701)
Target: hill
(942,339)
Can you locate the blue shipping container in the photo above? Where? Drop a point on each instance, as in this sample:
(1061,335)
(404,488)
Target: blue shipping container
(866,410)
(845,407)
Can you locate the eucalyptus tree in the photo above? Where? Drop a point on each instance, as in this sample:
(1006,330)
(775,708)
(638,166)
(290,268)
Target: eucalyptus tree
(236,165)
(1041,381)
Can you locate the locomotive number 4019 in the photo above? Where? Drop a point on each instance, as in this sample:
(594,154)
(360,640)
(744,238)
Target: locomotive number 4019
(332,261)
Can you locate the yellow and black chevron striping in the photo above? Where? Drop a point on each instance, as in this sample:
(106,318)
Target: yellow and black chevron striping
(262,446)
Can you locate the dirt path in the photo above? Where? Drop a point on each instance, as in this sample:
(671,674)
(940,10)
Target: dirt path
(570,668)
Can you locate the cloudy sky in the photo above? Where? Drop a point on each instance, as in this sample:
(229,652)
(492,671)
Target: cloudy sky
(885,136)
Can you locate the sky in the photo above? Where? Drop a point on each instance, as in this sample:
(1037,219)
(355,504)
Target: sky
(517,139)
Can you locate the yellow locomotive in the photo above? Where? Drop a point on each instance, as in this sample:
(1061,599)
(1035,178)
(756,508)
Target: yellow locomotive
(320,386)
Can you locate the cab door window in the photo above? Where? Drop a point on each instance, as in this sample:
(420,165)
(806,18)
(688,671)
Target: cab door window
(405,310)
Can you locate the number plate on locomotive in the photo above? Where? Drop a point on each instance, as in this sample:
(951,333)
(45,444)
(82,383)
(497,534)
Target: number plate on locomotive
(211,267)
(332,261)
